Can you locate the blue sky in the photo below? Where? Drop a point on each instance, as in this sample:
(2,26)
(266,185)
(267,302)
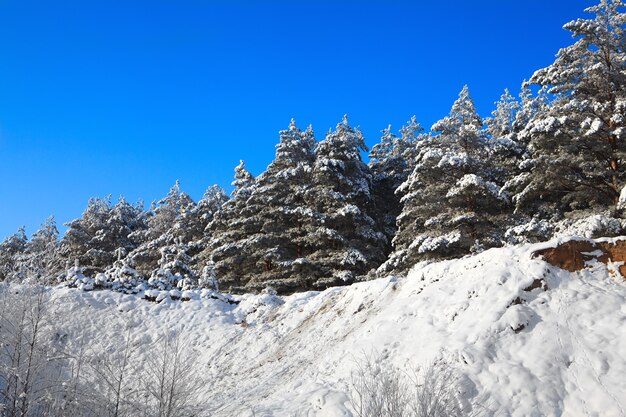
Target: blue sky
(123,98)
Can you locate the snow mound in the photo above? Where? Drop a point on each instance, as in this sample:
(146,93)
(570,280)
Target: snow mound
(531,339)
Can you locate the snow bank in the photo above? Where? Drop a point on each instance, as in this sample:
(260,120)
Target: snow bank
(522,349)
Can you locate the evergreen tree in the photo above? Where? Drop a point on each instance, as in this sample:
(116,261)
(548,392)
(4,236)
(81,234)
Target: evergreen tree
(244,182)
(161,229)
(40,260)
(343,239)
(204,212)
(167,210)
(94,238)
(450,199)
(259,237)
(227,233)
(191,227)
(174,268)
(512,164)
(208,278)
(10,251)
(577,142)
(391,162)
(275,245)
(122,276)
(86,236)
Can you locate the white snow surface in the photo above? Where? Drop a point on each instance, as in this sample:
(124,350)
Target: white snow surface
(521,352)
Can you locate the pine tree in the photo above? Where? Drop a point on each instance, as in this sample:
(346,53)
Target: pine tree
(449,199)
(122,276)
(191,226)
(244,182)
(275,245)
(203,213)
(512,164)
(161,229)
(167,210)
(40,263)
(83,238)
(208,278)
(227,233)
(577,142)
(343,239)
(10,250)
(102,230)
(174,269)
(391,162)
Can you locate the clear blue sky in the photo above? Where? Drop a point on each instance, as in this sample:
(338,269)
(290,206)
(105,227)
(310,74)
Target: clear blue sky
(106,97)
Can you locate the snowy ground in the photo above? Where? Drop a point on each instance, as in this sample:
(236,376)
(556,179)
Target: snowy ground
(522,351)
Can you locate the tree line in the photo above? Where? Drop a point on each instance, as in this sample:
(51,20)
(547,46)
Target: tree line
(319,215)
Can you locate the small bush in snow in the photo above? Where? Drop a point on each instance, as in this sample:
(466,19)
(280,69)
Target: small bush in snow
(380,389)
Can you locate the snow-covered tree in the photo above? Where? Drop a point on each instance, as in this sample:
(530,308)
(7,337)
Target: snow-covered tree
(449,199)
(100,232)
(10,250)
(166,211)
(122,276)
(227,231)
(164,225)
(578,142)
(39,263)
(505,152)
(174,270)
(343,238)
(208,278)
(259,238)
(211,202)
(391,162)
(190,226)
(277,217)
(75,277)
(243,183)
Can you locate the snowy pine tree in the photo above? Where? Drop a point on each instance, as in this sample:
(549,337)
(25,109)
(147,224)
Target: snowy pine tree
(203,213)
(512,164)
(227,233)
(449,199)
(391,162)
(161,230)
(40,263)
(277,216)
(100,232)
(122,276)
(10,251)
(208,278)
(578,145)
(259,238)
(174,269)
(344,240)
(243,183)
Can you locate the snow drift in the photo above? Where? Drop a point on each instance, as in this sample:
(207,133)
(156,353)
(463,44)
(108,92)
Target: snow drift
(528,338)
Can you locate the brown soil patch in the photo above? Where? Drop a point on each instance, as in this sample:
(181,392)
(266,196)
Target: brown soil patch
(573,255)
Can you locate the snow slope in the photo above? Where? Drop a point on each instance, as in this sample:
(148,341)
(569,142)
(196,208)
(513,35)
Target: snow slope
(522,350)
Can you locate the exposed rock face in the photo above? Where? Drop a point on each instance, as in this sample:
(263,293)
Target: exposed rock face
(573,255)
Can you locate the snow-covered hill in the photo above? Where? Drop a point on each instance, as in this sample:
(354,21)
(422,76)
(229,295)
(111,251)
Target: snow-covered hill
(529,339)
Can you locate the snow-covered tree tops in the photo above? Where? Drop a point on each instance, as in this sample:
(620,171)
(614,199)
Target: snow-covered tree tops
(450,202)
(303,222)
(344,241)
(578,141)
(320,216)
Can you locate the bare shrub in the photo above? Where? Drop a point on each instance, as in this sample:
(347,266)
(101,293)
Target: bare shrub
(380,389)
(30,374)
(113,391)
(435,392)
(171,383)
